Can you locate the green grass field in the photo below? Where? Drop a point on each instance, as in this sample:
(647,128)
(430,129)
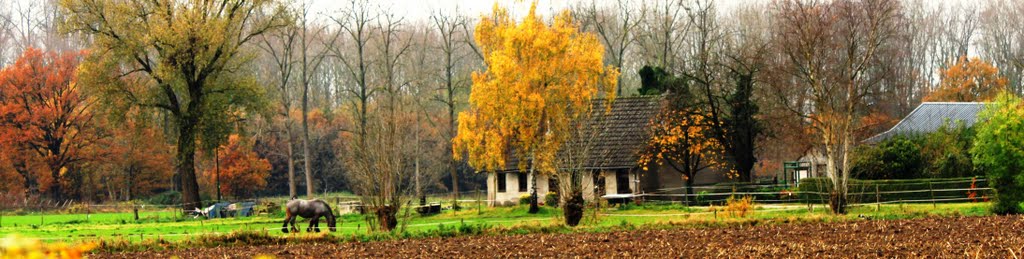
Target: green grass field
(168,226)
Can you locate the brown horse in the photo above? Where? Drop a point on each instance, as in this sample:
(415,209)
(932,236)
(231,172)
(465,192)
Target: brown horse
(310,209)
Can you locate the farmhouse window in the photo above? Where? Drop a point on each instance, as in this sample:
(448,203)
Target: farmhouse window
(501,182)
(522,182)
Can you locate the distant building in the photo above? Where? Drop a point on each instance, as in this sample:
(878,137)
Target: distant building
(612,158)
(926,118)
(930,116)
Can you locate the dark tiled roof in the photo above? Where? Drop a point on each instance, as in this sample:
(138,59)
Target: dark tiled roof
(928,117)
(613,138)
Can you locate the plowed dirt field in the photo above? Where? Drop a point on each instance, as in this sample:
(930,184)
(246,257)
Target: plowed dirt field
(985,237)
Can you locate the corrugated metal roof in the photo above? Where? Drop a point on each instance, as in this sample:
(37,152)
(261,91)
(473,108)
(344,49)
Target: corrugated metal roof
(619,135)
(929,116)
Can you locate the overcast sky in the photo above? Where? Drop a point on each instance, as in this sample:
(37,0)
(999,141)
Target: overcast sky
(421,9)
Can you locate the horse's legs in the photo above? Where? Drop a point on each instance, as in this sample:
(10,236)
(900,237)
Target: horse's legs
(294,229)
(288,217)
(313,222)
(316,224)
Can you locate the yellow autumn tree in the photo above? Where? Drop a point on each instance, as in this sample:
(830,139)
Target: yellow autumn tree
(539,78)
(968,80)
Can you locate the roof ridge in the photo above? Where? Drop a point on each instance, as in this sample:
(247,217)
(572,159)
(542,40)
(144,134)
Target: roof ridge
(923,103)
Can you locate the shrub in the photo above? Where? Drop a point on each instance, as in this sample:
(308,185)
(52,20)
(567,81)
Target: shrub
(166,198)
(997,150)
(524,199)
(702,197)
(947,151)
(896,158)
(551,199)
(739,207)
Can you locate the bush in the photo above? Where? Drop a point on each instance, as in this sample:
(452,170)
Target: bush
(896,158)
(702,197)
(947,152)
(739,207)
(551,199)
(940,154)
(997,150)
(524,199)
(166,198)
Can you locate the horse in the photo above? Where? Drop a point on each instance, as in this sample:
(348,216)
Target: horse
(310,209)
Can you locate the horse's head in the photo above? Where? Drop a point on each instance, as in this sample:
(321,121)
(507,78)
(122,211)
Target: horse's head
(331,222)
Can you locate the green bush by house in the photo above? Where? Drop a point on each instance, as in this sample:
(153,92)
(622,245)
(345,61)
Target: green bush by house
(999,151)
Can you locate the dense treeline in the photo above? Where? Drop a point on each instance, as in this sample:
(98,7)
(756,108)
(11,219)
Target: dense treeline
(295,100)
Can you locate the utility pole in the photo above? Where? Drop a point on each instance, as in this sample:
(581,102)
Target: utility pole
(216,159)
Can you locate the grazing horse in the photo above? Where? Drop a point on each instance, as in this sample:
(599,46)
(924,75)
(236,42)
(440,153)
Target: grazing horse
(310,209)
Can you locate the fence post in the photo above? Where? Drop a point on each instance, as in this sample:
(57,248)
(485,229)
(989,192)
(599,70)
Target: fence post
(932,191)
(88,210)
(479,208)
(878,199)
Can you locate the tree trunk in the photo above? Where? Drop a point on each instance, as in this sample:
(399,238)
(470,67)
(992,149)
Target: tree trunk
(452,165)
(534,208)
(689,189)
(131,179)
(292,193)
(386,217)
(308,159)
(455,182)
(573,209)
(55,191)
(186,164)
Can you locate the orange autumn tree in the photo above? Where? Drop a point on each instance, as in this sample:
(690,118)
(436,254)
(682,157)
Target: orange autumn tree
(539,78)
(968,80)
(138,161)
(44,121)
(683,141)
(681,135)
(242,172)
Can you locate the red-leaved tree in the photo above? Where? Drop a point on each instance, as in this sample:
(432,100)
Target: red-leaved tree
(242,172)
(44,121)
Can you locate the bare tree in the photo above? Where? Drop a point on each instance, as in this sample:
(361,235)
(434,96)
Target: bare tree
(581,156)
(279,46)
(660,35)
(355,23)
(828,48)
(1002,37)
(616,26)
(311,57)
(6,33)
(453,83)
(380,156)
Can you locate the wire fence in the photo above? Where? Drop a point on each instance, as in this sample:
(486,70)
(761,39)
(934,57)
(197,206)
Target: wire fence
(860,194)
(120,212)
